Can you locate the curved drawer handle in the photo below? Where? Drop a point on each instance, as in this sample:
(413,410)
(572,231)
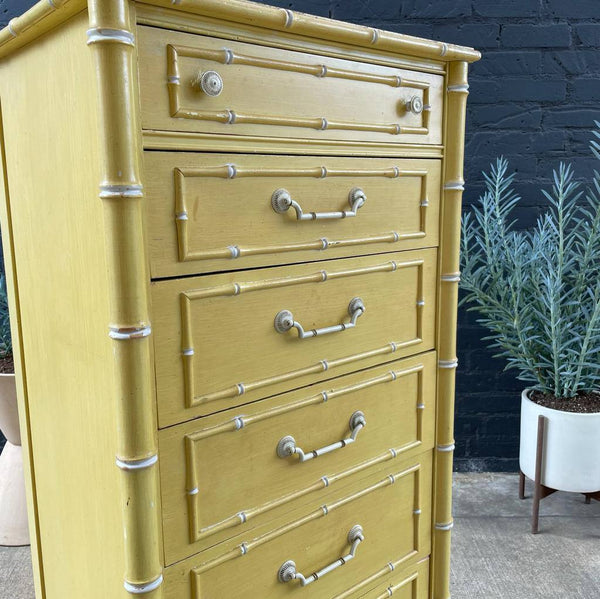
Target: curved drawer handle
(281,201)
(287,571)
(287,445)
(284,321)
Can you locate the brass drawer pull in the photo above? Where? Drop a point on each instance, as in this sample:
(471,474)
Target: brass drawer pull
(287,445)
(281,201)
(287,571)
(284,321)
(209,82)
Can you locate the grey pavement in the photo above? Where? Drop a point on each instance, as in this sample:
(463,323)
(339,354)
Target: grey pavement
(494,555)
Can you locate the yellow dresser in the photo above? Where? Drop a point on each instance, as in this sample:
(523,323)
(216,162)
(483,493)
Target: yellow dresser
(231,236)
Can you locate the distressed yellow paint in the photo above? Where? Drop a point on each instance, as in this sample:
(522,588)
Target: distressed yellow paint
(131,203)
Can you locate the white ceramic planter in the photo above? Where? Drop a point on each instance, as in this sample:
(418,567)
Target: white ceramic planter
(13,505)
(571,460)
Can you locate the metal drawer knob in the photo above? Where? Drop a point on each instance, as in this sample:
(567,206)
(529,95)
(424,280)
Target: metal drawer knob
(209,82)
(288,572)
(415,105)
(287,445)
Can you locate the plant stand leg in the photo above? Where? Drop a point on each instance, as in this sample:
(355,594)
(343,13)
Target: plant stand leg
(521,485)
(537,494)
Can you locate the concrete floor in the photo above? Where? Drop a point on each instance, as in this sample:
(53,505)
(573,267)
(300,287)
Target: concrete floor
(494,555)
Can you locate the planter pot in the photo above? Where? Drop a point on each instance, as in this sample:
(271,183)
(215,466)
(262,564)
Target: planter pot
(571,460)
(13,506)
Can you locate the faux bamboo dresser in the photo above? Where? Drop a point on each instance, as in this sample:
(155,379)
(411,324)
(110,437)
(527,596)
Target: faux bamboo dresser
(231,235)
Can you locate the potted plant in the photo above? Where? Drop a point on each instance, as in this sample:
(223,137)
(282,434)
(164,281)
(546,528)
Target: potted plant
(13,512)
(537,291)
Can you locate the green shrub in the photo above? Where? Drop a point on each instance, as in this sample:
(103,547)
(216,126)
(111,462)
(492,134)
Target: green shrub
(538,291)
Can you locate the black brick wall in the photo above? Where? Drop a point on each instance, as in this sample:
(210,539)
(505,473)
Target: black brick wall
(534,98)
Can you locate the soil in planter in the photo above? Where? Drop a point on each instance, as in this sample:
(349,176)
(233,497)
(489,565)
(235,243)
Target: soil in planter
(7,366)
(582,403)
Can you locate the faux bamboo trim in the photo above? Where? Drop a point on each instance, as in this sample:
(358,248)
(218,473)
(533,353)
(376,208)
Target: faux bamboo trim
(120,188)
(119,36)
(448,363)
(241,11)
(137,464)
(457,90)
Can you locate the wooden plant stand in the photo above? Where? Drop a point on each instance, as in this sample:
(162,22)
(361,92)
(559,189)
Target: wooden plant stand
(541,491)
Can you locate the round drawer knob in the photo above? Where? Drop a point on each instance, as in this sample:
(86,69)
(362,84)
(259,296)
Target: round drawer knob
(209,82)
(415,105)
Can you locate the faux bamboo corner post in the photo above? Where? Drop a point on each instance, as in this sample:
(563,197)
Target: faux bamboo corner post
(457,90)
(112,41)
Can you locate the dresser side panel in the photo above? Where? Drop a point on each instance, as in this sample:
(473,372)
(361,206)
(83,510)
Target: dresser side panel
(52,165)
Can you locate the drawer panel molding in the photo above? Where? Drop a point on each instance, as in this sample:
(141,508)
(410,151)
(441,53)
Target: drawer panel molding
(188,353)
(231,171)
(415,104)
(208,85)
(219,212)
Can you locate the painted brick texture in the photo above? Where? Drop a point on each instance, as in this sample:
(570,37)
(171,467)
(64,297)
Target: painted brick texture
(534,98)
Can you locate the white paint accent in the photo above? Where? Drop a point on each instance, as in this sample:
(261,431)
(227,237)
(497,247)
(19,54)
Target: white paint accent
(231,171)
(444,49)
(174,79)
(11,29)
(140,589)
(194,491)
(463,87)
(453,277)
(323,124)
(459,185)
(51,3)
(235,251)
(121,191)
(447,526)
(448,363)
(137,464)
(374,36)
(188,352)
(101,34)
(129,333)
(181,216)
(446,448)
(228,56)
(289,17)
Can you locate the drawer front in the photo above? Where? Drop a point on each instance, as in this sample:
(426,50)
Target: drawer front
(274,92)
(214,212)
(393,508)
(200,460)
(220,341)
(410,583)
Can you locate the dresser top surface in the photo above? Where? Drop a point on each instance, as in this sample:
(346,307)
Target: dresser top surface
(47,14)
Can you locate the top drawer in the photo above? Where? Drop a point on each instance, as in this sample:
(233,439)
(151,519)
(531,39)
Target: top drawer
(256,90)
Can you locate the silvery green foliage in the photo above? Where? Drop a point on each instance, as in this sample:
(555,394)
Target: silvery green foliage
(5,338)
(538,291)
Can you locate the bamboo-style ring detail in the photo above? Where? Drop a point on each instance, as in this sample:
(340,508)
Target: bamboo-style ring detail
(209,82)
(284,321)
(281,202)
(287,445)
(288,572)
